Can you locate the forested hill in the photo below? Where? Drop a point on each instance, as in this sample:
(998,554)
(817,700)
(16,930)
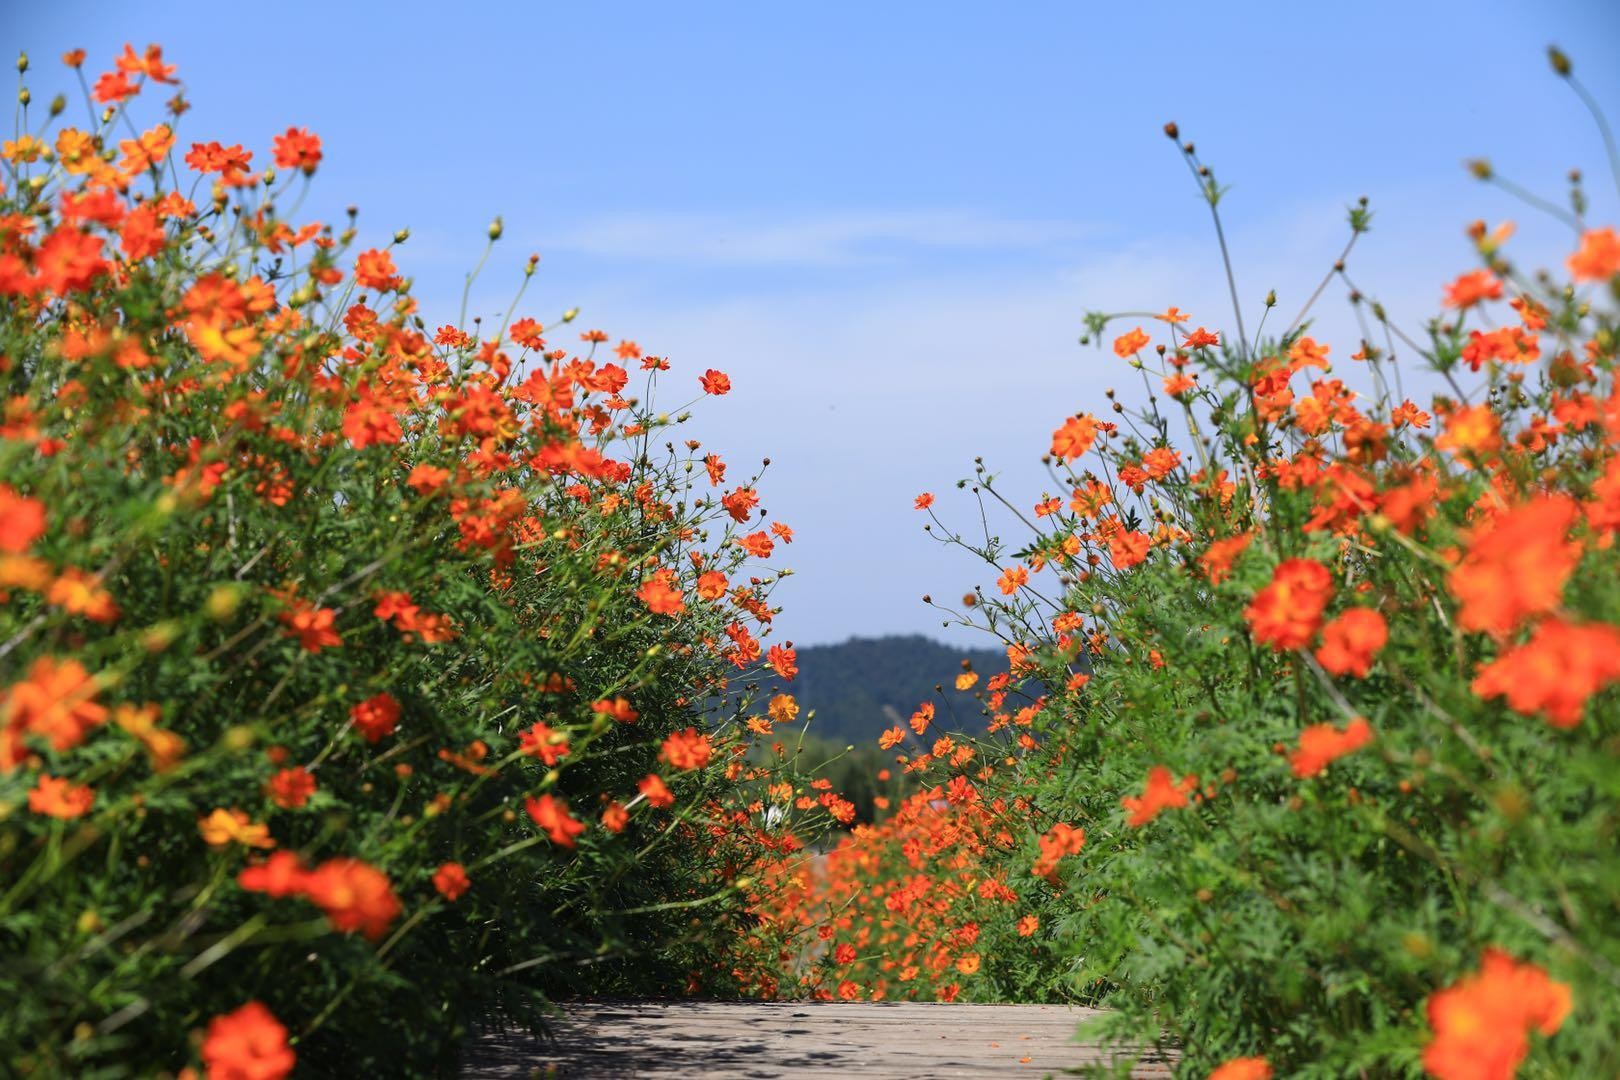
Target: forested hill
(849,684)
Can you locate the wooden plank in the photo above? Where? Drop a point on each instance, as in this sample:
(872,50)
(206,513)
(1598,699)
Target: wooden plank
(750,1040)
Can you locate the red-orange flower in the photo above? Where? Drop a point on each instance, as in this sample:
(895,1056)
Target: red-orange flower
(1598,256)
(375,270)
(551,814)
(1162,792)
(1555,672)
(282,874)
(1482,1022)
(296,148)
(375,717)
(451,881)
(1472,288)
(291,788)
(715,382)
(1071,440)
(656,792)
(1060,840)
(1516,564)
(22,521)
(688,749)
(354,896)
(660,594)
(55,702)
(312,626)
(1218,558)
(1131,343)
(1247,1068)
(542,742)
(248,1044)
(1321,744)
(57,797)
(1286,613)
(1350,641)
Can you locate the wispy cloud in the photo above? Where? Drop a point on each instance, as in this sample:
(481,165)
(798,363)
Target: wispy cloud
(816,240)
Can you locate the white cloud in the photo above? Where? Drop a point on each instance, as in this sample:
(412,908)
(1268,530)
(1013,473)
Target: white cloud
(821,240)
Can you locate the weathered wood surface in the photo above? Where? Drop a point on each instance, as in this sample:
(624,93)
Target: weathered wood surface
(794,1040)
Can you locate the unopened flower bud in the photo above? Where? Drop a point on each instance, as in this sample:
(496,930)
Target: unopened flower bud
(1480,168)
(24,97)
(1271,298)
(58,104)
(495,229)
(402,236)
(1555,57)
(570,315)
(1171,130)
(22,62)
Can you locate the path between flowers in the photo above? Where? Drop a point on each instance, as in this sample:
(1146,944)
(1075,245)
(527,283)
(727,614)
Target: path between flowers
(792,1040)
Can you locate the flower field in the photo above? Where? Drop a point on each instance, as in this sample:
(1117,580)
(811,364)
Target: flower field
(364,682)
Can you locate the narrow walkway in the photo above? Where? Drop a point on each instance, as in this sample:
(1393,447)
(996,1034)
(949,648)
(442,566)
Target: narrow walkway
(795,1041)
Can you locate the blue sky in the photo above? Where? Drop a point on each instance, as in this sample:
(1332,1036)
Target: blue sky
(885,220)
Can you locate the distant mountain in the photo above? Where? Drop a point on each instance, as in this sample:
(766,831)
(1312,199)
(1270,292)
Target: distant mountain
(865,685)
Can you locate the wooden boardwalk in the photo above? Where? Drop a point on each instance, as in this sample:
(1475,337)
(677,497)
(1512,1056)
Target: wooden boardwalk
(795,1041)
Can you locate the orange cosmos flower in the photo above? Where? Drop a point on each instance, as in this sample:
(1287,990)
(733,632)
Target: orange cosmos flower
(22,521)
(661,596)
(1286,613)
(54,702)
(375,717)
(540,741)
(165,747)
(922,717)
(312,626)
(1012,579)
(427,479)
(297,149)
(291,788)
(1350,642)
(1598,257)
(1162,792)
(1131,343)
(1128,549)
(1515,565)
(223,827)
(783,709)
(1555,672)
(656,792)
(354,896)
(1074,438)
(80,593)
(375,270)
(715,382)
(784,661)
(689,749)
(923,501)
(615,817)
(1028,925)
(1471,430)
(1482,1022)
(551,814)
(281,874)
(1056,842)
(248,1044)
(56,797)
(1218,558)
(1473,288)
(1321,744)
(891,738)
(451,881)
(1249,1068)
